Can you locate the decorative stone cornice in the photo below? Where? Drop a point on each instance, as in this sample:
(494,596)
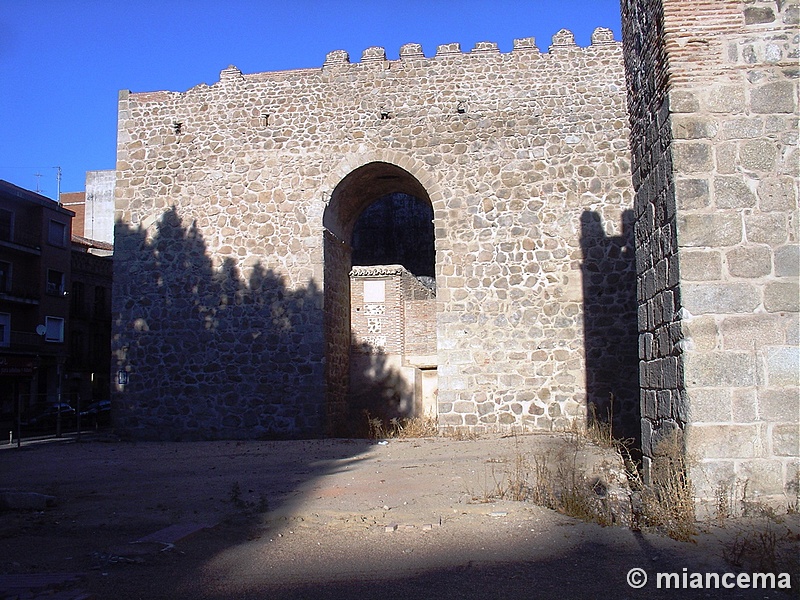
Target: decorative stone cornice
(378,271)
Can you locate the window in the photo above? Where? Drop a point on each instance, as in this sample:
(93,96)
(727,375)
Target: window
(57,234)
(54,329)
(5,276)
(77,299)
(6,224)
(77,348)
(5,330)
(101,348)
(99,301)
(55,282)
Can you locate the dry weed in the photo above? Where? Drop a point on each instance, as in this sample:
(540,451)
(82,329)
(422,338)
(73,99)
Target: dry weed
(461,434)
(492,487)
(236,498)
(517,478)
(554,482)
(601,432)
(764,544)
(542,492)
(414,427)
(668,502)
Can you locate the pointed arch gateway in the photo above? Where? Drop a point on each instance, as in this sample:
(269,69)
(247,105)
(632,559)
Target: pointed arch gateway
(392,373)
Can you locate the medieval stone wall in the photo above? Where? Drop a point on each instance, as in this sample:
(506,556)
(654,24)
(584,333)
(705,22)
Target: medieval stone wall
(714,101)
(235,203)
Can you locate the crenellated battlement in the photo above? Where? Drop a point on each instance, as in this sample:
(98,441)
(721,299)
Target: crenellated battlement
(562,48)
(282,108)
(562,40)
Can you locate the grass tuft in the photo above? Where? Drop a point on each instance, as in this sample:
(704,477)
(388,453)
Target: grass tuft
(414,427)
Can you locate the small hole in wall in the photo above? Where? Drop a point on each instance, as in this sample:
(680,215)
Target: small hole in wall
(461,108)
(265,120)
(177,126)
(385,115)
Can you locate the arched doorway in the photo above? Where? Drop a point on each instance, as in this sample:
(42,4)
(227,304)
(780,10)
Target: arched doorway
(380,313)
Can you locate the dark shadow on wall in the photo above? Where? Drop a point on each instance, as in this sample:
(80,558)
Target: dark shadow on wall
(610,326)
(377,391)
(210,355)
(396,229)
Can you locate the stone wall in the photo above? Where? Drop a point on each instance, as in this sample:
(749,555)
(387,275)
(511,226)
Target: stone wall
(663,403)
(206,341)
(610,325)
(267,173)
(713,88)
(337,333)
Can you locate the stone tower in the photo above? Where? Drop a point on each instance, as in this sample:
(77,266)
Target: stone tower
(713,97)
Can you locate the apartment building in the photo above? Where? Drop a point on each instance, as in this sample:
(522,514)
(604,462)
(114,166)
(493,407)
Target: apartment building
(55,302)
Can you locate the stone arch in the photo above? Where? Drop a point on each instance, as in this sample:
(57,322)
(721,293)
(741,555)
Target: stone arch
(353,161)
(356,184)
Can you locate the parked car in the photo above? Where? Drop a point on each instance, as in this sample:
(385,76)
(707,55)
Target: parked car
(97,414)
(47,417)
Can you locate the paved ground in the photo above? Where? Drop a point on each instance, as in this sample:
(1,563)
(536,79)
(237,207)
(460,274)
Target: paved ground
(325,519)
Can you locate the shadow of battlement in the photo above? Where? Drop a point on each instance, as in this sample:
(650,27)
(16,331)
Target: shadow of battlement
(610,325)
(208,352)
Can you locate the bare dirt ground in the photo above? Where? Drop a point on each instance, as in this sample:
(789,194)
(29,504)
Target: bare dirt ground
(327,519)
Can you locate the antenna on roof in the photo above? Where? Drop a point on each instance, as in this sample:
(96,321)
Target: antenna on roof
(58,185)
(38,177)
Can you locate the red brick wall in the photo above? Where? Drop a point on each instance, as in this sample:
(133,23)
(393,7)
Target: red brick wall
(403,323)
(420,327)
(76,202)
(377,326)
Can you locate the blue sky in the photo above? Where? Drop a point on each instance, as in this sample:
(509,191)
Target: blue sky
(62,62)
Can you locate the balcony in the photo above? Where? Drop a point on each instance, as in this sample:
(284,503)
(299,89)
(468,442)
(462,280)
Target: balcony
(20,294)
(55,290)
(22,341)
(16,299)
(22,242)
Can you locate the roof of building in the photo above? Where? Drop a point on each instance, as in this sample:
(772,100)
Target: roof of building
(91,244)
(10,190)
(68,198)
(378,270)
